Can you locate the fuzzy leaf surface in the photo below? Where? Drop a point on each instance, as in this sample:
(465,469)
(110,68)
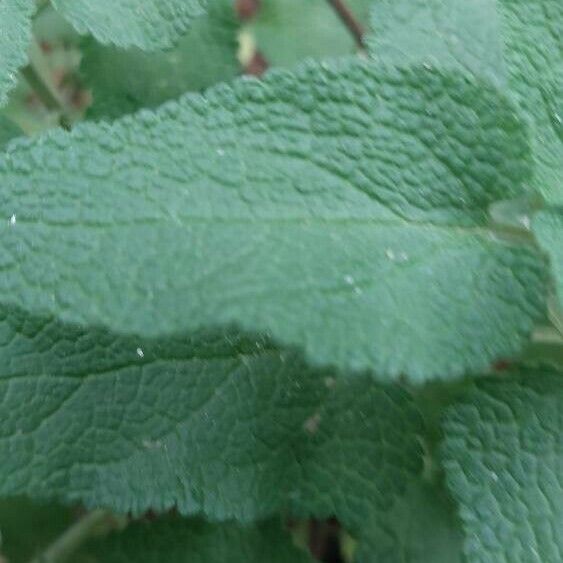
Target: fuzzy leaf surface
(150,25)
(503,456)
(514,43)
(342,209)
(217,424)
(15,35)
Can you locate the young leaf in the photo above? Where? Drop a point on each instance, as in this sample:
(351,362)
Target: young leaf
(503,456)
(218,424)
(150,25)
(123,81)
(548,227)
(174,540)
(342,209)
(15,35)
(516,41)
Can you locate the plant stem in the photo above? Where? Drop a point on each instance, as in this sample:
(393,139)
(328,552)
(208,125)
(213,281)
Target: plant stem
(95,523)
(36,73)
(350,21)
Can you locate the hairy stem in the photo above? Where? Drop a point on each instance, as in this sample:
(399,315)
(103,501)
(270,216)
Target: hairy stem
(350,21)
(95,523)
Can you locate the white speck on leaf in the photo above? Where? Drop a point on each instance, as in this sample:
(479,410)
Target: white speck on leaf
(220,152)
(349,280)
(494,476)
(558,118)
(311,425)
(140,353)
(13,220)
(390,254)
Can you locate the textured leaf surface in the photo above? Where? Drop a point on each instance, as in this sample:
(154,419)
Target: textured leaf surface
(340,209)
(420,527)
(147,24)
(173,540)
(217,424)
(516,39)
(15,34)
(123,81)
(503,457)
(288,31)
(548,228)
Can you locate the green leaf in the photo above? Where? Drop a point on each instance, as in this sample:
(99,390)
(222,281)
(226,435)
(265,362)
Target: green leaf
(420,527)
(123,81)
(503,459)
(218,424)
(15,35)
(175,540)
(514,40)
(340,209)
(147,24)
(8,131)
(548,228)
(288,31)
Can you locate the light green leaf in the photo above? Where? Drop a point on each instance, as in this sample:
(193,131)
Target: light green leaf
(123,81)
(218,424)
(174,540)
(503,456)
(8,131)
(341,209)
(288,31)
(548,228)
(15,35)
(420,527)
(519,39)
(147,24)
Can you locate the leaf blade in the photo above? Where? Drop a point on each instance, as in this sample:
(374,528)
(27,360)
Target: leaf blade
(318,193)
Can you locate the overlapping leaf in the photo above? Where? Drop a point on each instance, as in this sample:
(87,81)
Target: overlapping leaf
(516,44)
(503,458)
(147,24)
(123,81)
(15,34)
(340,209)
(215,424)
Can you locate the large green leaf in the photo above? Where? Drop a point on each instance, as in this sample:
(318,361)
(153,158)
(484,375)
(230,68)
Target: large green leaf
(147,24)
(517,40)
(288,31)
(123,81)
(217,424)
(503,456)
(15,35)
(340,209)
(173,540)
